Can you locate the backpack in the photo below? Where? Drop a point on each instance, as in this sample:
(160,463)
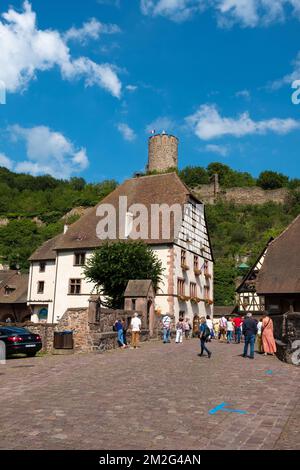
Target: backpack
(206,333)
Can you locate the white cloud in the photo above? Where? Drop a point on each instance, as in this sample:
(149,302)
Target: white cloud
(218,149)
(26,50)
(90,30)
(208,124)
(247,13)
(176,10)
(127,133)
(131,87)
(48,152)
(160,124)
(243,94)
(289,78)
(6,162)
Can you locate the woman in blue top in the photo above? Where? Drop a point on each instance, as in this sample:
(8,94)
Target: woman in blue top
(119,330)
(204,335)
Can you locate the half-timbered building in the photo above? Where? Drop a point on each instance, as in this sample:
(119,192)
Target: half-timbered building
(247,298)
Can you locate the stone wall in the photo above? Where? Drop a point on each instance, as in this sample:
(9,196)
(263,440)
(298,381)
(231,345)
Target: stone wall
(46,332)
(88,334)
(252,195)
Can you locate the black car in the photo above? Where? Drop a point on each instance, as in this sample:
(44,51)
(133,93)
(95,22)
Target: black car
(20,341)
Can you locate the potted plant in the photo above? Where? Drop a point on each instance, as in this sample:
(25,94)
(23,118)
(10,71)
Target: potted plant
(182,297)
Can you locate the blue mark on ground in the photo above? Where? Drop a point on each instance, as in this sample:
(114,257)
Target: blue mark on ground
(224,407)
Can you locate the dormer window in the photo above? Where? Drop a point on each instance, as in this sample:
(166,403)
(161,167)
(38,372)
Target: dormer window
(8,290)
(42,267)
(79,259)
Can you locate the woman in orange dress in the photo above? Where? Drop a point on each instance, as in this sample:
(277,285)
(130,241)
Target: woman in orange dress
(269,345)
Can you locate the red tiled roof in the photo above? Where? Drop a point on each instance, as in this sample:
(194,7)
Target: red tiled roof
(280,273)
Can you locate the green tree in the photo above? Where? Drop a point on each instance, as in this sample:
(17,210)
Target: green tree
(225,274)
(114,264)
(272,180)
(194,176)
(77,183)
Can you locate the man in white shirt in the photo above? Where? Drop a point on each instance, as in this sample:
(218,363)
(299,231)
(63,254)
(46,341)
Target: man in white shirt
(135,330)
(166,321)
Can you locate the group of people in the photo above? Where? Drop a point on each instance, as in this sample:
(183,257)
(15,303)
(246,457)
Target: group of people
(121,327)
(228,329)
(225,329)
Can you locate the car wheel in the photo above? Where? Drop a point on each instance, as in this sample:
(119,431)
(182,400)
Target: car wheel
(31,354)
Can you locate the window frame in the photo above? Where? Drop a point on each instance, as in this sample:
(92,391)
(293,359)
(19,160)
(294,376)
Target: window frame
(42,267)
(41,287)
(75,282)
(180,286)
(79,254)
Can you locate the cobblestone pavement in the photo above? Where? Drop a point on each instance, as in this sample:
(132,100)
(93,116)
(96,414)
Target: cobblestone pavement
(157,397)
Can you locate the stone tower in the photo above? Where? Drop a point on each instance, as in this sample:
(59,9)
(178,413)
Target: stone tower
(163,152)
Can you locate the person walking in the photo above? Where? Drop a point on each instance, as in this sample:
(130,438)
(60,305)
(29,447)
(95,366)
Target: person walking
(136,325)
(268,340)
(204,335)
(259,338)
(237,322)
(223,329)
(249,332)
(230,329)
(179,331)
(186,328)
(211,327)
(119,330)
(166,321)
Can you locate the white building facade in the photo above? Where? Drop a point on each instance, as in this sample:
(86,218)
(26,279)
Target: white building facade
(185,251)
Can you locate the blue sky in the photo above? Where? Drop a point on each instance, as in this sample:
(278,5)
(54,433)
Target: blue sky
(86,83)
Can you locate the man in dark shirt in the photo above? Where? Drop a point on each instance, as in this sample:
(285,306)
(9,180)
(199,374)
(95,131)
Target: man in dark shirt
(249,331)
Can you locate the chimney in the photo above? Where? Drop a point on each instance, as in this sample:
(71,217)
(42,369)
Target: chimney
(162,152)
(66,227)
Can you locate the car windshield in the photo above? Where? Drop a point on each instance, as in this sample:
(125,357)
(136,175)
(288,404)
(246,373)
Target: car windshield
(14,331)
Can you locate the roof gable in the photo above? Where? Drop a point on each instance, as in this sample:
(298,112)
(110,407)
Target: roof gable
(138,288)
(160,189)
(18,283)
(280,273)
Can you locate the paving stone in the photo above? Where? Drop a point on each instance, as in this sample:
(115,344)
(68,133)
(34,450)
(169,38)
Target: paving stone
(121,400)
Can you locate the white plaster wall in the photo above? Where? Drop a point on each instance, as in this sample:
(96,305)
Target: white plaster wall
(161,300)
(255,302)
(188,307)
(189,276)
(66,271)
(35,300)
